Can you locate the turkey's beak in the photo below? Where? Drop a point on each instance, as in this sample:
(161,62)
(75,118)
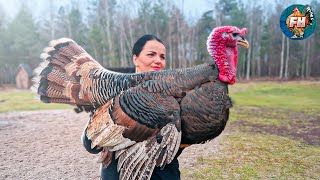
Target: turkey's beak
(243,42)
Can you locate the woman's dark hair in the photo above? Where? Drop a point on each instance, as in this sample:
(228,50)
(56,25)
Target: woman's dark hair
(138,46)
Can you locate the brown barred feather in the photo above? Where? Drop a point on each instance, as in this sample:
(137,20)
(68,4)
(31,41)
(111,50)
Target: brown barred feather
(151,149)
(71,69)
(47,57)
(59,77)
(63,59)
(55,90)
(60,100)
(71,50)
(201,123)
(138,164)
(104,132)
(100,121)
(136,131)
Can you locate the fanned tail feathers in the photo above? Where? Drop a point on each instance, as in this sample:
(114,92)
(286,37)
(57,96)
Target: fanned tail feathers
(56,79)
(139,160)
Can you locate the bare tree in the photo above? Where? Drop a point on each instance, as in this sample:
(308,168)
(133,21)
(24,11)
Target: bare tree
(308,69)
(179,38)
(302,62)
(282,56)
(287,60)
(170,46)
(249,51)
(122,46)
(105,13)
(52,30)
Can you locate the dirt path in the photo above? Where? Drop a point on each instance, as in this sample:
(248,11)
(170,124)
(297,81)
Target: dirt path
(46,145)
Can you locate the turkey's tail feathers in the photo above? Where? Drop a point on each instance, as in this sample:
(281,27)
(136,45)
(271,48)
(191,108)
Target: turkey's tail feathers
(138,161)
(57,78)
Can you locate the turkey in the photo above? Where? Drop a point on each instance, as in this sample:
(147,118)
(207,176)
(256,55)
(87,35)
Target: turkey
(144,117)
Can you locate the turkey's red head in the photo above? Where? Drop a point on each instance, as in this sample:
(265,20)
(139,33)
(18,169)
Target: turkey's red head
(222,46)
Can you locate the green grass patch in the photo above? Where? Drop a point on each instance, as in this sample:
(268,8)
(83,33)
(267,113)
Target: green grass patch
(23,100)
(262,116)
(269,135)
(258,156)
(297,96)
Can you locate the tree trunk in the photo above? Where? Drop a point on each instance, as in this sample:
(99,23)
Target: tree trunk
(253,60)
(122,48)
(179,40)
(192,48)
(269,66)
(108,28)
(131,42)
(302,60)
(183,49)
(259,32)
(259,62)
(282,56)
(265,61)
(128,44)
(182,38)
(287,60)
(244,57)
(104,59)
(249,51)
(69,28)
(105,19)
(170,47)
(157,29)
(145,24)
(248,65)
(95,52)
(308,69)
(51,20)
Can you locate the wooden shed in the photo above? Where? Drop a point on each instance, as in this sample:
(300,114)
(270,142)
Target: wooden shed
(23,76)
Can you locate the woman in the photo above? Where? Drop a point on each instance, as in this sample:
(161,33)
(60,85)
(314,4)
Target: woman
(149,54)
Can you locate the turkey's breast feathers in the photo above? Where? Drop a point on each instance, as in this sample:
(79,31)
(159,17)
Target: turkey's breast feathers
(204,112)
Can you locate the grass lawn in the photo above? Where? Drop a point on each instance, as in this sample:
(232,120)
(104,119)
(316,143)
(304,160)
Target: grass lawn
(273,133)
(298,96)
(24,100)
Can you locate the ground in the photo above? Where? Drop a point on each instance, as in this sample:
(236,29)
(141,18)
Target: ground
(46,145)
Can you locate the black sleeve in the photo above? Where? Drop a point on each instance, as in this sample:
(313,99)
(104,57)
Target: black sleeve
(87,142)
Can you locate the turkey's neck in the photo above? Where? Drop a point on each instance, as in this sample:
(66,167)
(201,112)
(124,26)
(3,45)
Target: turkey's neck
(226,60)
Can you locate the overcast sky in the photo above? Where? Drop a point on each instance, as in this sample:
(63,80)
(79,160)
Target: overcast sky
(191,8)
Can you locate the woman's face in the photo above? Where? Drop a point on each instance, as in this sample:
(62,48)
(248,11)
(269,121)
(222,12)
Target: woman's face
(151,58)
